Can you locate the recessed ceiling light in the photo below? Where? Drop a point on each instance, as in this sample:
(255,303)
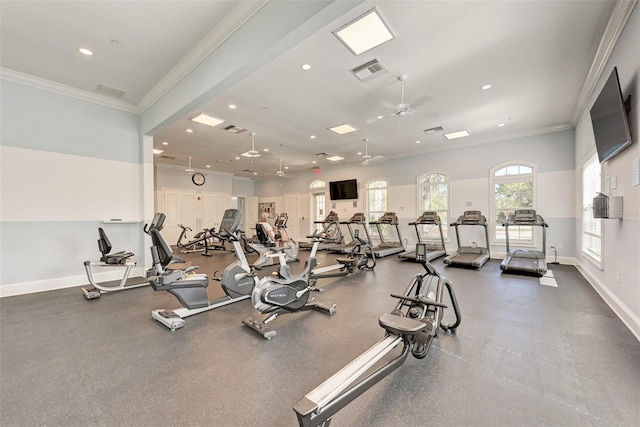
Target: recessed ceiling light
(305,67)
(485,87)
(266,149)
(84,51)
(189,130)
(500,125)
(335,158)
(456,135)
(380,117)
(286,167)
(165,143)
(343,129)
(314,162)
(232,106)
(418,142)
(156,151)
(208,166)
(255,173)
(359,153)
(312,137)
(237,158)
(207,120)
(364,33)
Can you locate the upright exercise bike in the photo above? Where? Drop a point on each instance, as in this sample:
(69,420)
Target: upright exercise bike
(415,322)
(286,293)
(237,279)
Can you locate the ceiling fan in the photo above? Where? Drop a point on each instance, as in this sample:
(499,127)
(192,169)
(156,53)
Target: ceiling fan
(280,172)
(405,109)
(189,169)
(252,153)
(366,158)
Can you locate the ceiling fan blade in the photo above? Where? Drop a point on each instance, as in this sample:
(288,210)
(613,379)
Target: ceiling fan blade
(422,101)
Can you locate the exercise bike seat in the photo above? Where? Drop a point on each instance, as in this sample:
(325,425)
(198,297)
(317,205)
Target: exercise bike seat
(400,325)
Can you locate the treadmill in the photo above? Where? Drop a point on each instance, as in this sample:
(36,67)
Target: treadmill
(331,234)
(434,249)
(388,247)
(524,260)
(470,256)
(357,221)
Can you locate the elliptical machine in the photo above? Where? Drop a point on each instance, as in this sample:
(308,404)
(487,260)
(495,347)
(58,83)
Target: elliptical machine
(415,322)
(286,293)
(237,280)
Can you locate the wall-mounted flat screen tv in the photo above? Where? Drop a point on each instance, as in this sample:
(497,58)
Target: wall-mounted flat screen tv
(343,190)
(609,120)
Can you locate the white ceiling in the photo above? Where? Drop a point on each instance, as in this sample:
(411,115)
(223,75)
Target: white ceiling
(542,59)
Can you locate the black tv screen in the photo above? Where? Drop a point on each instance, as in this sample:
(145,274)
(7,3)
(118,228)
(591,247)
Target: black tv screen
(343,190)
(609,120)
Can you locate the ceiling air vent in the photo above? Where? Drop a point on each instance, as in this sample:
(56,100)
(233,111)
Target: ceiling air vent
(234,129)
(434,130)
(111,92)
(168,157)
(321,154)
(368,71)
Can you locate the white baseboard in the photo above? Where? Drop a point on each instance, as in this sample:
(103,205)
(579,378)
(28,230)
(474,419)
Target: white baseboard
(23,288)
(628,317)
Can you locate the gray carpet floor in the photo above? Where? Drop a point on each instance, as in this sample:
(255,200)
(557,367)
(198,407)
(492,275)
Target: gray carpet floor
(525,354)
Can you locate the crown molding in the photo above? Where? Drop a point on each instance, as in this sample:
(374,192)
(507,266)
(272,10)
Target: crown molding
(234,19)
(618,19)
(48,85)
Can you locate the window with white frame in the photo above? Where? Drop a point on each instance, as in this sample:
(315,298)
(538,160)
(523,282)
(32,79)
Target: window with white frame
(512,187)
(433,195)
(591,227)
(377,203)
(317,190)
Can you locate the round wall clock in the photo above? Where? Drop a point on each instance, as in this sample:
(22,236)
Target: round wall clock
(197,178)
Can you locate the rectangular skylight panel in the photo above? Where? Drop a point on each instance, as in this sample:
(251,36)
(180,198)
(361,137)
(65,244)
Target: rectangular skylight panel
(335,158)
(456,135)
(365,33)
(343,129)
(207,120)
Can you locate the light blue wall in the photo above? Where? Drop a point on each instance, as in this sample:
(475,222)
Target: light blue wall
(468,168)
(41,120)
(67,165)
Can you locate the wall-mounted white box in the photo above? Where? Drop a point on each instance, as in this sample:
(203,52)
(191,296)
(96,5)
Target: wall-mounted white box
(607,206)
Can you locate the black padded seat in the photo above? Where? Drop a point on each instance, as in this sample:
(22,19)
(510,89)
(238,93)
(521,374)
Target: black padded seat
(399,325)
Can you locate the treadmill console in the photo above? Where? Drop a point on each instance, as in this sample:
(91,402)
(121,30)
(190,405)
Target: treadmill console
(429,216)
(331,217)
(421,251)
(524,216)
(472,217)
(358,217)
(388,218)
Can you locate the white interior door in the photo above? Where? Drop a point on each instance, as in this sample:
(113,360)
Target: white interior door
(291,208)
(179,209)
(251,212)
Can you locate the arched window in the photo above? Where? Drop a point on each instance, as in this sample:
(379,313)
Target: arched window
(433,195)
(512,187)
(377,203)
(318,198)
